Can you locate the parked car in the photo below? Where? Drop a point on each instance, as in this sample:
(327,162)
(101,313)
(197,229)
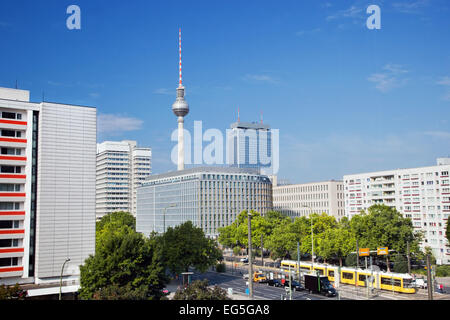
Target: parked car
(297,286)
(244,260)
(245,276)
(421,283)
(274,282)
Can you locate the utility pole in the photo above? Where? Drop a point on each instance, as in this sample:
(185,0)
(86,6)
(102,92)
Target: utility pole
(250,257)
(408,257)
(290,283)
(357,254)
(429,281)
(298,261)
(262,251)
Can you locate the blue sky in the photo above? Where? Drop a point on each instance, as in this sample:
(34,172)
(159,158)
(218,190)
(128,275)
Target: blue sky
(345,98)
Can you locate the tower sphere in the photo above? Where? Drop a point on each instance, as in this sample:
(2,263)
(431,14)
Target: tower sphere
(180,107)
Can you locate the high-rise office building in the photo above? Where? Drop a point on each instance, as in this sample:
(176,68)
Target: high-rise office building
(121,168)
(210,197)
(295,200)
(47,183)
(250,145)
(421,194)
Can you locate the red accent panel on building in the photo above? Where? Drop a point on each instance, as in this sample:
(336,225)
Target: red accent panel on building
(13,158)
(11,250)
(13,269)
(12,213)
(12,231)
(13,176)
(12,194)
(13,140)
(21,123)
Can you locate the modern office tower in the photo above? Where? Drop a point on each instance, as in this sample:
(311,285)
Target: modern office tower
(210,197)
(250,145)
(47,197)
(121,168)
(296,200)
(421,194)
(180,108)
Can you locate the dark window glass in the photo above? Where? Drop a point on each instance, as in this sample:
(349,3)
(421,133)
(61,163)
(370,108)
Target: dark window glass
(8,133)
(347,275)
(330,273)
(8,224)
(8,115)
(5,262)
(5,243)
(362,277)
(7,169)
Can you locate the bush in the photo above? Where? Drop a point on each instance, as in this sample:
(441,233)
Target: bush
(237,250)
(220,267)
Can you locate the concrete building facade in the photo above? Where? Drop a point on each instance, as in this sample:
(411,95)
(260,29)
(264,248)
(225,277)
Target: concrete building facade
(295,200)
(47,183)
(121,168)
(421,194)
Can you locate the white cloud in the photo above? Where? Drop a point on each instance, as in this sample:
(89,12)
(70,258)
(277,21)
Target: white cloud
(391,77)
(115,124)
(164,91)
(352,12)
(411,7)
(438,134)
(260,78)
(445,81)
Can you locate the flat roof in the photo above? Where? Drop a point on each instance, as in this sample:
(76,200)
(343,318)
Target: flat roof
(226,170)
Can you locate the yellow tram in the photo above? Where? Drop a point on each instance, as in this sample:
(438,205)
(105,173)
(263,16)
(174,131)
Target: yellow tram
(398,282)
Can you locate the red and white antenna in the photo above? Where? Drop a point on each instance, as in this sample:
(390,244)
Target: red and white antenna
(239,119)
(181,82)
(261,117)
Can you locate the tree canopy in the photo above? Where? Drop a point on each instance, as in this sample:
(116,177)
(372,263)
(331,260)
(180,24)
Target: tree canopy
(126,265)
(199,290)
(187,246)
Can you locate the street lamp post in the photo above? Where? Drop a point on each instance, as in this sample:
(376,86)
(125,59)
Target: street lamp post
(312,235)
(250,257)
(60,279)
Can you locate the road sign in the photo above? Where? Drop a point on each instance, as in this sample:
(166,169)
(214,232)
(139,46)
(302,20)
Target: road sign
(382,251)
(364,252)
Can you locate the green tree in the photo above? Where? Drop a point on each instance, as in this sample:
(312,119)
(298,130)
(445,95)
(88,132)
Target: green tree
(199,290)
(383,226)
(126,265)
(118,218)
(186,246)
(400,263)
(12,292)
(338,242)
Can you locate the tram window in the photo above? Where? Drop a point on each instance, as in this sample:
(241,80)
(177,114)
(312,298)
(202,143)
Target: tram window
(331,273)
(320,271)
(362,277)
(347,275)
(389,282)
(408,283)
(305,268)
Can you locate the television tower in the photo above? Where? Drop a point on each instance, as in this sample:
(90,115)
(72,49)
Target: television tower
(180,108)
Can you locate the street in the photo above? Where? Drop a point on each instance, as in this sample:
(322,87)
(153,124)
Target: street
(261,291)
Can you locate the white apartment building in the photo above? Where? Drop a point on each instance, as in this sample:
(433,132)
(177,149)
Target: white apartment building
(295,200)
(121,168)
(47,187)
(422,194)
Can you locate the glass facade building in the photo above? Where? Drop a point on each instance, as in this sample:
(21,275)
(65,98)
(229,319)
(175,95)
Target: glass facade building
(210,197)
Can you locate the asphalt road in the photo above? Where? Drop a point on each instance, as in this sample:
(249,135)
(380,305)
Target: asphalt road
(260,291)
